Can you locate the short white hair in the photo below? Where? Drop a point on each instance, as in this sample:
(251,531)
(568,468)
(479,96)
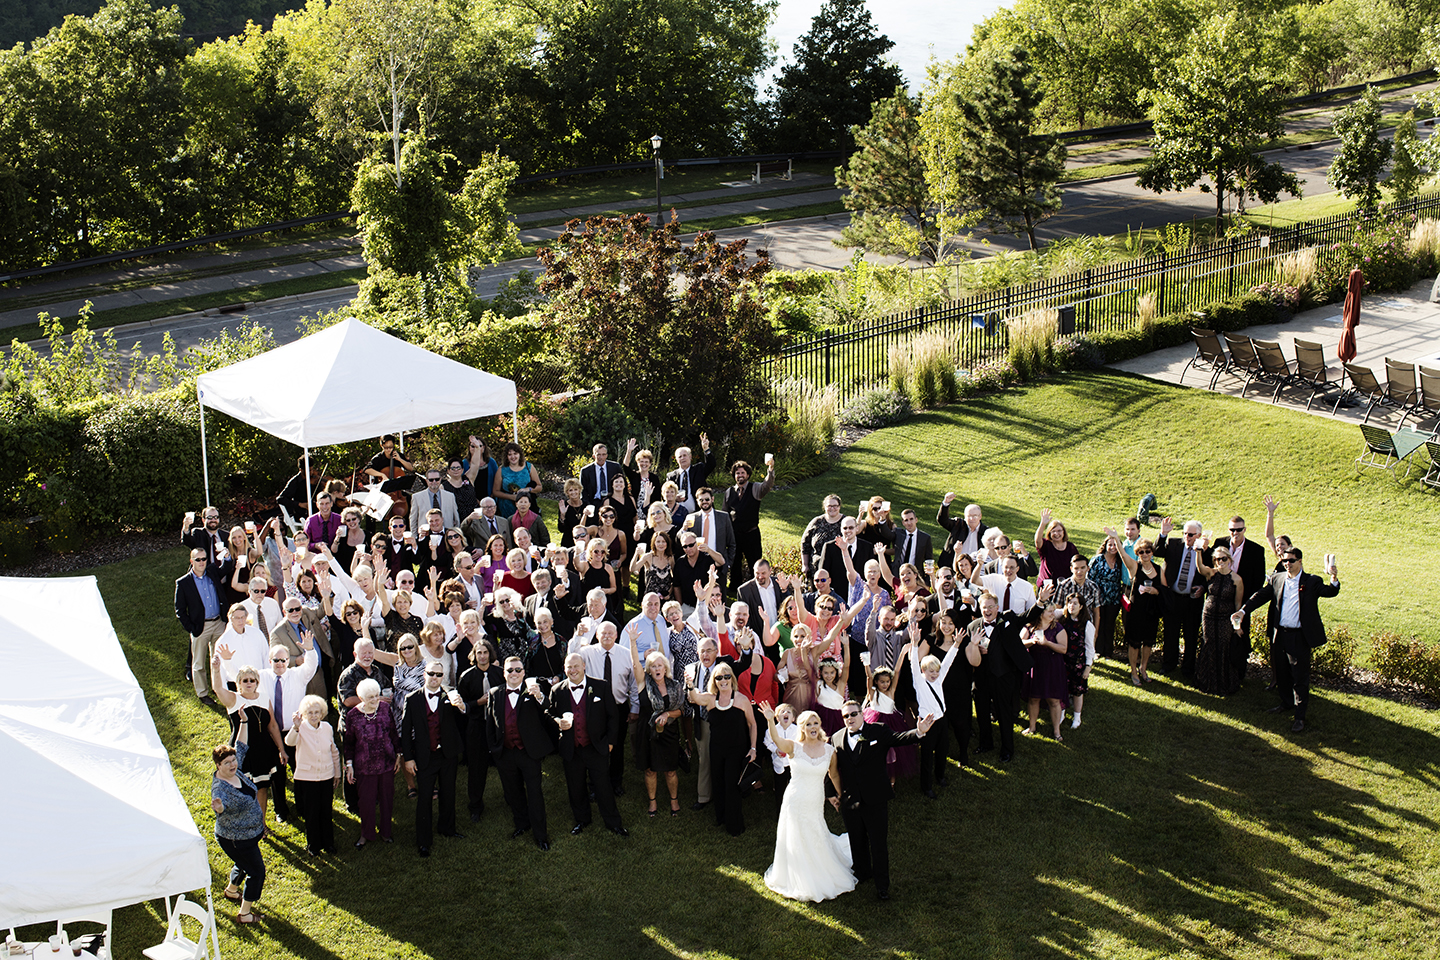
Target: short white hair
(367,688)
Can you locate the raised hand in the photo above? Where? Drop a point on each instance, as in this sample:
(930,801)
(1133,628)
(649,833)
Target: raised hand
(224,651)
(1271,504)
(949,498)
(1166,526)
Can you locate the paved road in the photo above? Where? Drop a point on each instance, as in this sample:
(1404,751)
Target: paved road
(1093,208)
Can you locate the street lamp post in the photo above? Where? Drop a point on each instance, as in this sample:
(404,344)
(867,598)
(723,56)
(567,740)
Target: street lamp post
(655,142)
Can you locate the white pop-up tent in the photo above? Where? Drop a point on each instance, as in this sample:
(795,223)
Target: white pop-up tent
(93,818)
(345,383)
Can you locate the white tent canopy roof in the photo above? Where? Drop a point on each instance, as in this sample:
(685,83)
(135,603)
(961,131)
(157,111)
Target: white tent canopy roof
(93,818)
(322,389)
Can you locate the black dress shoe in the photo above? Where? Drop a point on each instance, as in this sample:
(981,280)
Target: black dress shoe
(474,816)
(1007,756)
(931,794)
(619,790)
(209,701)
(1298,726)
(883,895)
(985,749)
(454,835)
(543,844)
(424,851)
(619,831)
(578,829)
(699,804)
(1282,708)
(942,781)
(518,832)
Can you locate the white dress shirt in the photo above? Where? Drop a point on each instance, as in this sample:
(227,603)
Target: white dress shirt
(622,672)
(1022,595)
(292,684)
(930,695)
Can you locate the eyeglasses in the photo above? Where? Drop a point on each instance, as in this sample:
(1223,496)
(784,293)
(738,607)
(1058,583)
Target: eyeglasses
(292,609)
(1143,553)
(257,589)
(1237,529)
(822,579)
(279,659)
(850,716)
(1222,556)
(432,673)
(465,566)
(407,648)
(1291,560)
(248,680)
(453,536)
(514,669)
(432,479)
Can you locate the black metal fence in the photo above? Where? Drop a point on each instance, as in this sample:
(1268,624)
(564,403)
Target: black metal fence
(1097,300)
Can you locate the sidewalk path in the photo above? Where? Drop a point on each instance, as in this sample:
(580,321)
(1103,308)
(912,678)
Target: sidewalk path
(1404,326)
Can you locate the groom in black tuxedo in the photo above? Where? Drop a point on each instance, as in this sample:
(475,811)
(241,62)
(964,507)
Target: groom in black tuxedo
(864,790)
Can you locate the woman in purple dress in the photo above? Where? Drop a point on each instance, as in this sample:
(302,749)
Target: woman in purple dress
(372,755)
(1054,549)
(1045,638)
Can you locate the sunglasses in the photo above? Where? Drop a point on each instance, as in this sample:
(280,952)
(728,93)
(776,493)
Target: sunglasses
(453,536)
(279,659)
(432,479)
(1237,529)
(1144,553)
(247,680)
(407,648)
(514,669)
(431,673)
(292,609)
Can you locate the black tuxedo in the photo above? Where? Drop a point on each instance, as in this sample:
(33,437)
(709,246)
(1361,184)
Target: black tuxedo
(431,765)
(520,767)
(198,538)
(751,593)
(595,482)
(559,609)
(602,722)
(865,795)
(831,561)
(956,530)
(1182,611)
(924,549)
(1290,648)
(997,679)
(694,477)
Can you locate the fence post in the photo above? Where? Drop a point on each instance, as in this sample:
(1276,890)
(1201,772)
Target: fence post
(1234,241)
(1164,273)
(1089,294)
(828,337)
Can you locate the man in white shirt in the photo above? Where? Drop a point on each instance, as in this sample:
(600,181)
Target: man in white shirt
(712,528)
(474,586)
(762,592)
(263,611)
(286,688)
(241,645)
(1016,595)
(610,663)
(912,545)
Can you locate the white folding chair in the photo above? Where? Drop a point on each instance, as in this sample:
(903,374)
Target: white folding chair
(177,946)
(289,520)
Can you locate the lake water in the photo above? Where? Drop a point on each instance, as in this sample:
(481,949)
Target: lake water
(919,28)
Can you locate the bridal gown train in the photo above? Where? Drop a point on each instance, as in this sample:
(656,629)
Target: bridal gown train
(811,863)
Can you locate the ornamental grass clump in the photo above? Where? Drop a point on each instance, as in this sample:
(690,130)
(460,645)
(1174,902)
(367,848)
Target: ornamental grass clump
(1032,343)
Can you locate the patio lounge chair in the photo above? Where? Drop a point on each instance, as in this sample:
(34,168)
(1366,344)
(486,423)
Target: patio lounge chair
(1209,354)
(1310,369)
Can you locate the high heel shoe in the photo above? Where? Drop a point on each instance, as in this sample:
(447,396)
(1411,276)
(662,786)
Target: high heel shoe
(674,807)
(653,811)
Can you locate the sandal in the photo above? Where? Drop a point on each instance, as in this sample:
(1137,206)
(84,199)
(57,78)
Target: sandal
(254,916)
(674,807)
(1134,678)
(231,896)
(652,811)
(413,793)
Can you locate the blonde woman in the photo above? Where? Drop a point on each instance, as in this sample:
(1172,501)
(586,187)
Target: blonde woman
(811,863)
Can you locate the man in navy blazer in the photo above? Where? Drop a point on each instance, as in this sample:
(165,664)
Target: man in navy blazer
(200,606)
(586,740)
(1294,626)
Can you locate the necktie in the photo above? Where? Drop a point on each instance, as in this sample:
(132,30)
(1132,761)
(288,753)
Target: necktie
(1182,583)
(603,487)
(260,621)
(655,634)
(609,674)
(280,714)
(909,542)
(493,531)
(435,501)
(1005,604)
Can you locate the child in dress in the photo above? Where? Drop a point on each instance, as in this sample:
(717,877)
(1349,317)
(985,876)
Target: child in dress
(880,707)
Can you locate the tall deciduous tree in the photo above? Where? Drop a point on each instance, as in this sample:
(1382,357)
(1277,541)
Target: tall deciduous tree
(836,75)
(985,156)
(1409,168)
(1363,154)
(1213,111)
(675,332)
(885,184)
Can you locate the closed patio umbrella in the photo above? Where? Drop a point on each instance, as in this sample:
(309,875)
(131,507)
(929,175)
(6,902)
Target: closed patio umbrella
(1351,315)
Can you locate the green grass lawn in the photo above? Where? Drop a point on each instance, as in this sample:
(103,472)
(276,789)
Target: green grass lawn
(639,185)
(1171,824)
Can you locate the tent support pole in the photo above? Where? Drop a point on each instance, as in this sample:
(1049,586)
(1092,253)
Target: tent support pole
(309,494)
(515,425)
(204,458)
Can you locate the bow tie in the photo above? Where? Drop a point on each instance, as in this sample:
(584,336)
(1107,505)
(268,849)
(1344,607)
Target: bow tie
(514,693)
(577,690)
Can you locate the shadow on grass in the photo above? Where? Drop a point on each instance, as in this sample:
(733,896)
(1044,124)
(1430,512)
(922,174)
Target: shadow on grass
(1172,822)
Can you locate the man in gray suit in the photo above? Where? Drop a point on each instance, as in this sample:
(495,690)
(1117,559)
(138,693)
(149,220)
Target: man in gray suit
(713,527)
(433,496)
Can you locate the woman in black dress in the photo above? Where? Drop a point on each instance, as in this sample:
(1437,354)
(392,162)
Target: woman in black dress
(1220,661)
(571,512)
(657,742)
(1146,582)
(732,744)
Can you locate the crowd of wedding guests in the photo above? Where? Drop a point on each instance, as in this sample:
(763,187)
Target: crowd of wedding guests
(641,623)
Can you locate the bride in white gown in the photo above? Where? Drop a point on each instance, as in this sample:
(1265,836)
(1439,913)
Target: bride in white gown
(811,863)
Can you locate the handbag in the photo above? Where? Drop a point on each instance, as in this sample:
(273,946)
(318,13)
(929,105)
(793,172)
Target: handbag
(748,775)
